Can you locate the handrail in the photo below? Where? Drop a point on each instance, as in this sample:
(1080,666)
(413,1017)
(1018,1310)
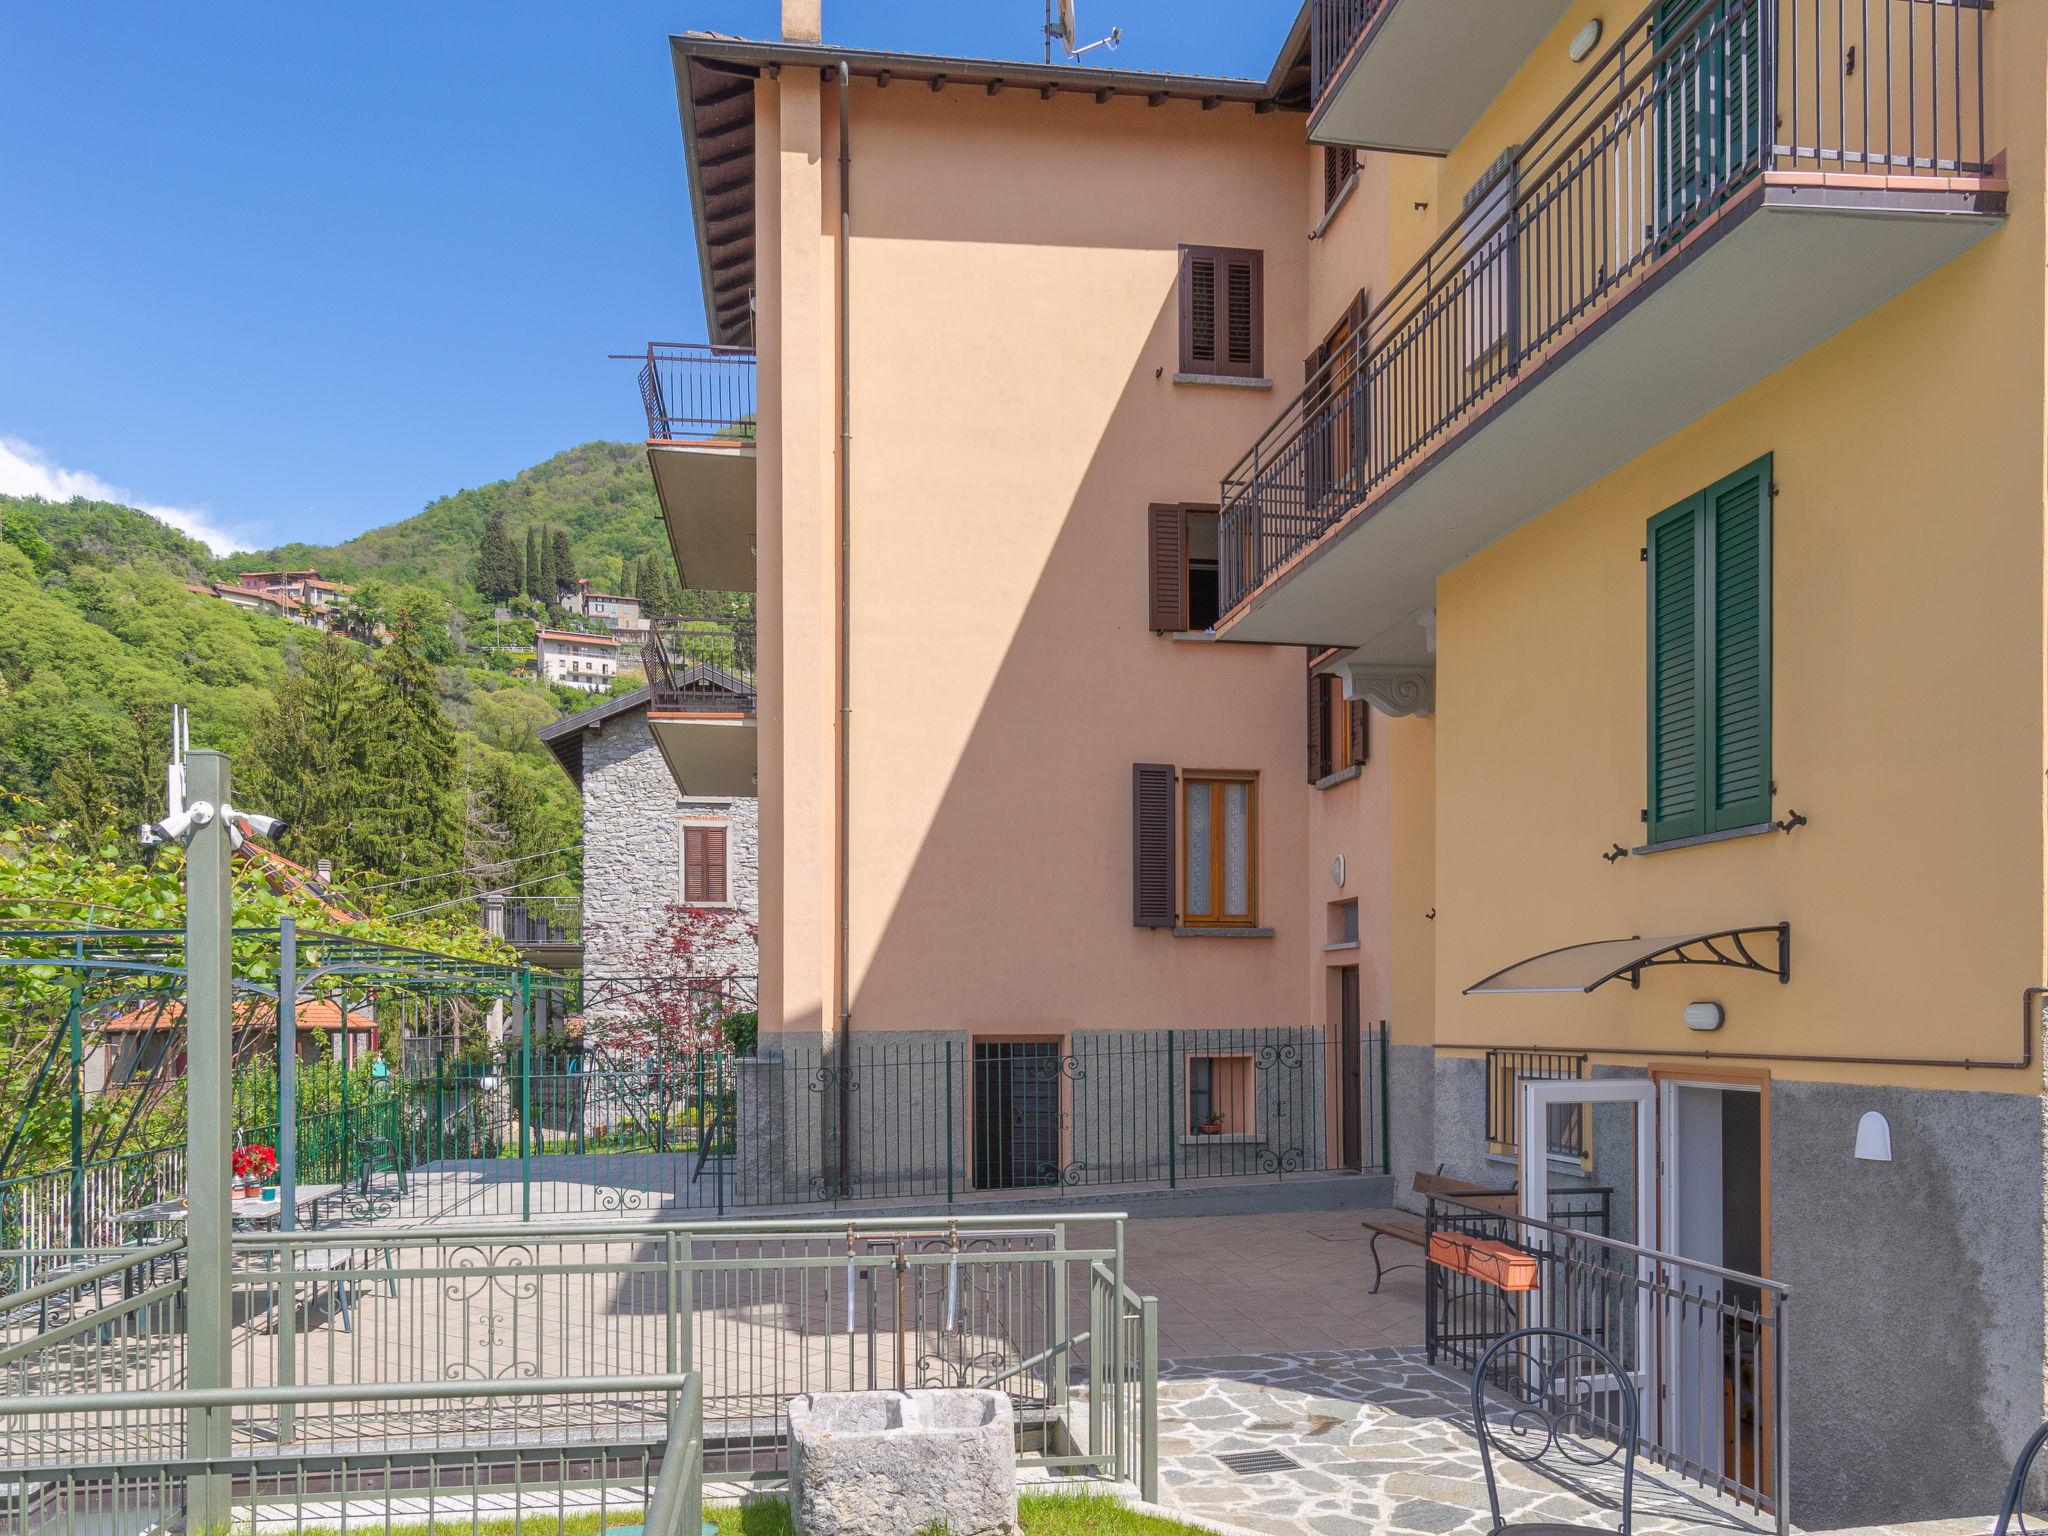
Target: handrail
(46,1404)
(724,1231)
(1633,1250)
(697,390)
(1647,144)
(107,1270)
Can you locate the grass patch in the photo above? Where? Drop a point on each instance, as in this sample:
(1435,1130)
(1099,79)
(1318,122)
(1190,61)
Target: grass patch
(1041,1514)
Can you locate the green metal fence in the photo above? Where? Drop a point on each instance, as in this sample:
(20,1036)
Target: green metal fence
(349,1346)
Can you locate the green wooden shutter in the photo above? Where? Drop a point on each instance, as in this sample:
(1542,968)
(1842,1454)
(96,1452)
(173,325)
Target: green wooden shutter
(1739,686)
(1710,659)
(1677,807)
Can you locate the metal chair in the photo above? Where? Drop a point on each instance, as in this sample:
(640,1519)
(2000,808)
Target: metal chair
(2014,1515)
(1552,1381)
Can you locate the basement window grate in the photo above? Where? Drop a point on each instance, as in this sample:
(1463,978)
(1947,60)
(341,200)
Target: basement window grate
(1256,1463)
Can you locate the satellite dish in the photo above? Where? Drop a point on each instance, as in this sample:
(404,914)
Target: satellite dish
(1067,28)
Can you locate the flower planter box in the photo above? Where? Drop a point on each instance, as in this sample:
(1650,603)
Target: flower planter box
(1485,1258)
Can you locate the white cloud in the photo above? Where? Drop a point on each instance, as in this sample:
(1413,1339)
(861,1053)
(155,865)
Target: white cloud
(27,471)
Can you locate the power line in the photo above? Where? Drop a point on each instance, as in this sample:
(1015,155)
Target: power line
(443,874)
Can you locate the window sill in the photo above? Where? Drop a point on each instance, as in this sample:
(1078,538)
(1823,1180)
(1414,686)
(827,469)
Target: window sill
(1226,380)
(1221,932)
(1221,1138)
(1336,207)
(1192,636)
(1331,949)
(1728,834)
(1341,776)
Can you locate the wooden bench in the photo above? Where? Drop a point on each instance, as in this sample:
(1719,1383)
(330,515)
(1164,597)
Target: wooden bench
(1405,1228)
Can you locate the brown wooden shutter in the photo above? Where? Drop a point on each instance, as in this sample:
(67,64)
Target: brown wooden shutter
(1315,721)
(1166,596)
(1359,709)
(1152,904)
(714,864)
(693,864)
(1222,311)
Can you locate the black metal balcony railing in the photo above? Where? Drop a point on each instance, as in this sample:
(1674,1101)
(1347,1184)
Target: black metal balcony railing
(1671,122)
(701,666)
(693,390)
(1334,25)
(544,922)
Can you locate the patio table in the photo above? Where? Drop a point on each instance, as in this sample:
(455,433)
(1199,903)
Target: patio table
(254,1212)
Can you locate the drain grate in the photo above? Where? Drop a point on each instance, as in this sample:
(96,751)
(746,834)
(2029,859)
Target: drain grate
(1254,1463)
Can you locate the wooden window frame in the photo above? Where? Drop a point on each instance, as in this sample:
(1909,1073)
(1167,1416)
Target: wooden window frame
(1215,917)
(700,824)
(1339,729)
(1220,366)
(1243,1075)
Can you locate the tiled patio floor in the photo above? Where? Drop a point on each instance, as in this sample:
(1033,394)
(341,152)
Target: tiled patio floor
(1267,1284)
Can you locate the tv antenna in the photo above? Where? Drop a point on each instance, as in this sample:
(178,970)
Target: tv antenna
(1065,28)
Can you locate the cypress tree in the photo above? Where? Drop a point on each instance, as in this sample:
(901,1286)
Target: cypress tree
(308,752)
(532,572)
(497,562)
(564,560)
(544,589)
(626,588)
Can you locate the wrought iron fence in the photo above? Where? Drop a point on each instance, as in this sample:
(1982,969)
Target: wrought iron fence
(702,666)
(1674,120)
(693,390)
(1704,1345)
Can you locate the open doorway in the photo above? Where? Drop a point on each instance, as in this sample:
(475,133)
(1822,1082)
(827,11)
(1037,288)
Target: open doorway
(1715,1210)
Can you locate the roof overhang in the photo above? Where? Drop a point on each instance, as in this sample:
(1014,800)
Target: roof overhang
(715,78)
(1584,967)
(564,737)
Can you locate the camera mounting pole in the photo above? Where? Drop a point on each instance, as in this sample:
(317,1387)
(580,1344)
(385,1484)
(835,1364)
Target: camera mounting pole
(209,1143)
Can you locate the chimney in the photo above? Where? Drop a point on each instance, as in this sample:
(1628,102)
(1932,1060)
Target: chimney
(801,22)
(324,869)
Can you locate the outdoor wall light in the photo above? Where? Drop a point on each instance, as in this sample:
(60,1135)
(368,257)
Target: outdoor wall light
(1585,40)
(1337,871)
(1873,1138)
(1704,1016)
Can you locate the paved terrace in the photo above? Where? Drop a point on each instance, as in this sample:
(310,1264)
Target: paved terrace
(1269,1338)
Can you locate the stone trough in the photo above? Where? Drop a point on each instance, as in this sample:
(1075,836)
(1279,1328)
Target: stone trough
(864,1462)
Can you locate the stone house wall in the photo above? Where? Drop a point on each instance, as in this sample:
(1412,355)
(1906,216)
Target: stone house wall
(633,819)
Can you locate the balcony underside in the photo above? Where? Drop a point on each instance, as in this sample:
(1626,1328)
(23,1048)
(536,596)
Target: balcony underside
(1770,277)
(707,502)
(1423,71)
(707,755)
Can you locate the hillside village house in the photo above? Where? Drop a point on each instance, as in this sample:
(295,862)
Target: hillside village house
(1642,414)
(606,608)
(575,660)
(654,858)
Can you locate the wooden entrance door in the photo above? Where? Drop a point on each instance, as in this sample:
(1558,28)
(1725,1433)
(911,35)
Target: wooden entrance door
(1352,1068)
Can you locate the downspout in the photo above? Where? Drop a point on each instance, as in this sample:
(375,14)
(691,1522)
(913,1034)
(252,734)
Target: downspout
(844,855)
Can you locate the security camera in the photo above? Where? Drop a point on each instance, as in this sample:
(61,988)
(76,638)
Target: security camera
(256,824)
(179,825)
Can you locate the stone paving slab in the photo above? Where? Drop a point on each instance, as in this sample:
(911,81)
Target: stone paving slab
(1383,1448)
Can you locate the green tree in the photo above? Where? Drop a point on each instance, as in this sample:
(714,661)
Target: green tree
(563,558)
(531,572)
(409,824)
(308,754)
(626,587)
(497,562)
(82,800)
(544,573)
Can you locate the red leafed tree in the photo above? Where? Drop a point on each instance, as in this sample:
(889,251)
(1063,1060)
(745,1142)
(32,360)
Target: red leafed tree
(686,985)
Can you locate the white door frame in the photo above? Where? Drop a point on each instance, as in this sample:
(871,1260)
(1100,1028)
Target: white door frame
(1537,1098)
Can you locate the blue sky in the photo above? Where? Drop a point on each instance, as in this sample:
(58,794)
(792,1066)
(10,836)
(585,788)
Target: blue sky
(289,271)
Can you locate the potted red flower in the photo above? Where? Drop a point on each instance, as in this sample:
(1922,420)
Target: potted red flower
(251,1165)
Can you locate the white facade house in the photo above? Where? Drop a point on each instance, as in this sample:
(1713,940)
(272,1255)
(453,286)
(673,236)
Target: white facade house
(606,608)
(589,662)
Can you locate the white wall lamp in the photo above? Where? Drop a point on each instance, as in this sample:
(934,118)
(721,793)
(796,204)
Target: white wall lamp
(1873,1138)
(1704,1016)
(1584,41)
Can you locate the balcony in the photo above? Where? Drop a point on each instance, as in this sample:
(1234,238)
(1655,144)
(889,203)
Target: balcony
(700,406)
(1727,194)
(701,709)
(1415,74)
